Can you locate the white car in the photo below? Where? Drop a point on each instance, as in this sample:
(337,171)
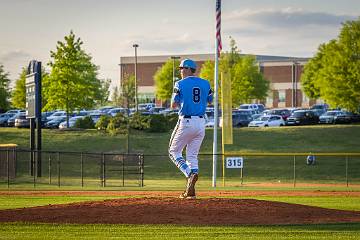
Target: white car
(72,122)
(268,121)
(56,115)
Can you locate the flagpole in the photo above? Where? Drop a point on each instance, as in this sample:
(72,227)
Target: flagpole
(215,114)
(217,41)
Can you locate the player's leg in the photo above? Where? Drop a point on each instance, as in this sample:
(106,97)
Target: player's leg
(178,141)
(192,151)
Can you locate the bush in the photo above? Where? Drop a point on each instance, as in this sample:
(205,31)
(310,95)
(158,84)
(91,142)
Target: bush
(85,123)
(161,123)
(117,124)
(103,122)
(158,123)
(139,122)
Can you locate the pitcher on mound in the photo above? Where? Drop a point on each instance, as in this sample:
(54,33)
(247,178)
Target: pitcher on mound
(191,94)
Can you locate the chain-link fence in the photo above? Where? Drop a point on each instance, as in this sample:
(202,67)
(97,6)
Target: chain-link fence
(55,168)
(84,169)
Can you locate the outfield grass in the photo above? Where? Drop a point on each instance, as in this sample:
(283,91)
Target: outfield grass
(318,138)
(158,167)
(99,231)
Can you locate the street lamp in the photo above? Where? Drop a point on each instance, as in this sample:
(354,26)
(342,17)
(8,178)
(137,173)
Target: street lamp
(174,59)
(294,76)
(136,97)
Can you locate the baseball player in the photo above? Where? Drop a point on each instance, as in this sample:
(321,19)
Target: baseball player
(191,94)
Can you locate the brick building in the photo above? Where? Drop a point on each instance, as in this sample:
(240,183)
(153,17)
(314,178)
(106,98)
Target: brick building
(284,74)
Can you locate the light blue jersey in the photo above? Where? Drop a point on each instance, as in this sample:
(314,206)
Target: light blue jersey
(192,94)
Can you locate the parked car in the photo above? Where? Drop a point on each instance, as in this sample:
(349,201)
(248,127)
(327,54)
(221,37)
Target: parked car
(156,110)
(11,120)
(22,121)
(335,116)
(145,106)
(95,117)
(72,122)
(15,111)
(320,109)
(115,111)
(105,109)
(238,120)
(254,107)
(56,114)
(55,122)
(268,121)
(302,117)
(4,118)
(283,112)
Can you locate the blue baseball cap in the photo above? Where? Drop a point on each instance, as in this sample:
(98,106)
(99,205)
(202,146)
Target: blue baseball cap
(188,63)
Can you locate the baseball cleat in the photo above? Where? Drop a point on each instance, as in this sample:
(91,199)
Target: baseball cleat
(185,196)
(189,193)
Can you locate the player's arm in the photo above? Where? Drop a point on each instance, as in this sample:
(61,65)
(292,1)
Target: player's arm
(210,96)
(175,99)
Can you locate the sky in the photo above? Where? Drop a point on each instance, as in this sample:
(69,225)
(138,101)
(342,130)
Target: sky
(30,29)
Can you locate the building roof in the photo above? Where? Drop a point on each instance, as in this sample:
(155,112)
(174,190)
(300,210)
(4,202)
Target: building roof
(205,57)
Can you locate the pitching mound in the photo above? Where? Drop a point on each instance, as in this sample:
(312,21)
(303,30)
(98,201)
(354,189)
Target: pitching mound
(213,211)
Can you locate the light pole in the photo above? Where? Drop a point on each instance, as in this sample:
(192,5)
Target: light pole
(136,97)
(174,59)
(294,77)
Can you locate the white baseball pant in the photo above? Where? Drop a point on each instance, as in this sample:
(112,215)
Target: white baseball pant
(188,132)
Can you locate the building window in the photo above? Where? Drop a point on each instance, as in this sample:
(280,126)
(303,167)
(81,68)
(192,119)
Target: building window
(282,96)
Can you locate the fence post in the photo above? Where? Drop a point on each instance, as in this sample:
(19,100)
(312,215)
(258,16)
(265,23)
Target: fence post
(33,167)
(58,167)
(7,168)
(82,169)
(50,169)
(141,168)
(103,171)
(123,170)
(346,170)
(294,171)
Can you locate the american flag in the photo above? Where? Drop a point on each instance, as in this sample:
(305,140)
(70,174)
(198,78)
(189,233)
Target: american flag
(218,26)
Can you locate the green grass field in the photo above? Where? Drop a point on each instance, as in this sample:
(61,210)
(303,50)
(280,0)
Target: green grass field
(158,167)
(160,174)
(107,231)
(65,231)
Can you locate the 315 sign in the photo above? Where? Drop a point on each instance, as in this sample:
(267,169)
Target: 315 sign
(234,162)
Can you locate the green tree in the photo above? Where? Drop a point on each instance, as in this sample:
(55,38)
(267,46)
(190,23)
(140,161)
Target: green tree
(164,79)
(115,97)
(247,81)
(72,83)
(127,95)
(334,72)
(18,98)
(104,92)
(4,89)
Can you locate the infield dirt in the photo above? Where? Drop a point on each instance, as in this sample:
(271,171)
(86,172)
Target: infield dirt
(165,209)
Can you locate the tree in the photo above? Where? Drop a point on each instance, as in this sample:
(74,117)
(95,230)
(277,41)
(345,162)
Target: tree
(4,89)
(334,72)
(164,79)
(247,81)
(115,97)
(128,91)
(104,91)
(72,83)
(18,98)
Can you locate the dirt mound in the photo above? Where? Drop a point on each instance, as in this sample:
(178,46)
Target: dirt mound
(212,211)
